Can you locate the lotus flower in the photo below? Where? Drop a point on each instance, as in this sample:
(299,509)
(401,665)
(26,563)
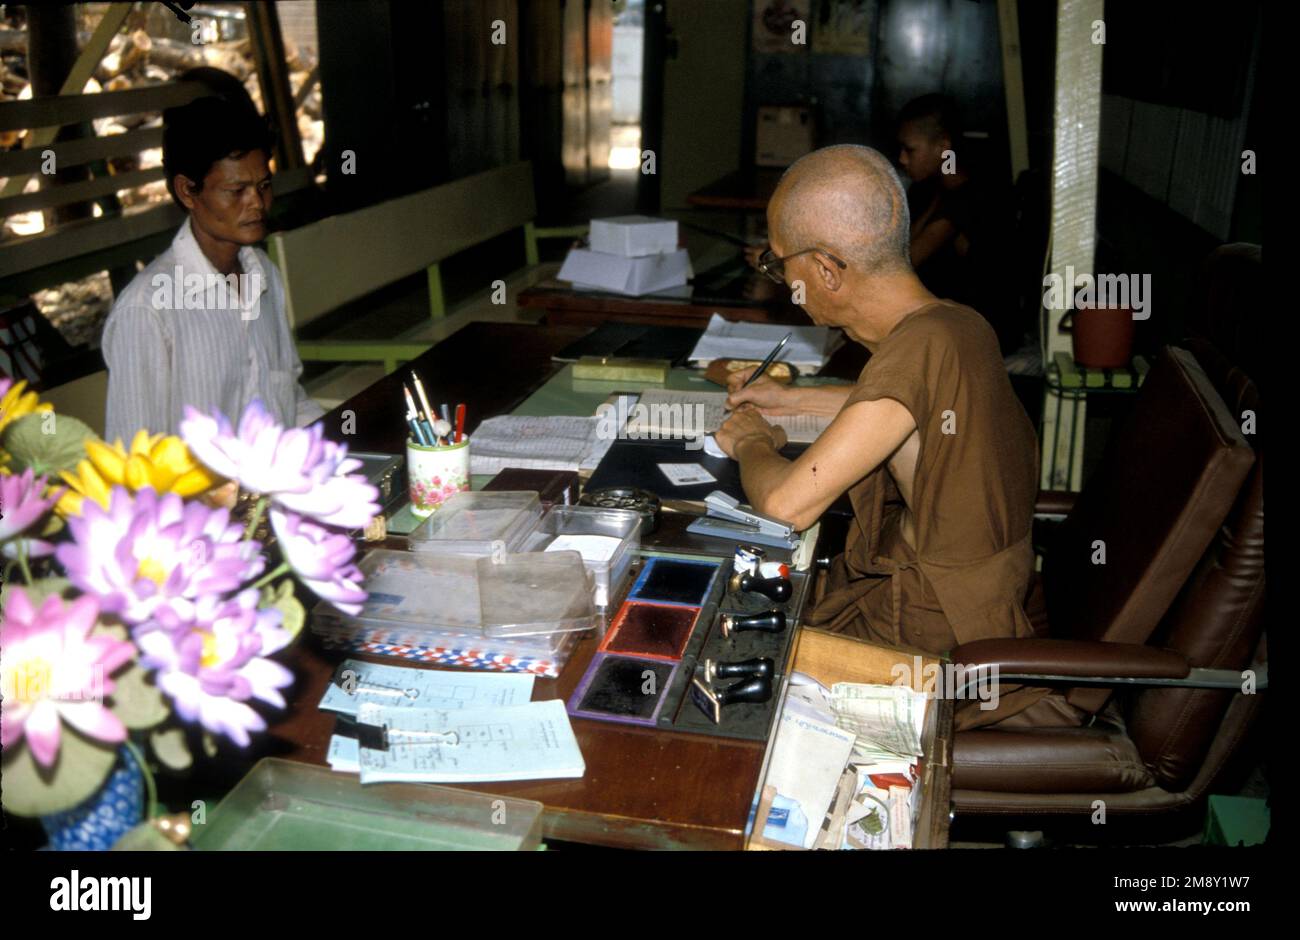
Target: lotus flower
(213,664)
(53,670)
(321,558)
(263,456)
(296,467)
(163,464)
(22,506)
(146,552)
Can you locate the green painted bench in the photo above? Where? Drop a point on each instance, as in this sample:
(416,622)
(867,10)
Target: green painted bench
(345,257)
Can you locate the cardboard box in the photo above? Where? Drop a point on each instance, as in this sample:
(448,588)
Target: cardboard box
(633,236)
(784,135)
(833,657)
(596,270)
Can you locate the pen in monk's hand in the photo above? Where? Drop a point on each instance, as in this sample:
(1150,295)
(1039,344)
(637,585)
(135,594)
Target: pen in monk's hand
(766,363)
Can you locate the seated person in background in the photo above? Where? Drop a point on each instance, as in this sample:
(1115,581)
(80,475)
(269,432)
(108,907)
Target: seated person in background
(959,232)
(934,449)
(204,323)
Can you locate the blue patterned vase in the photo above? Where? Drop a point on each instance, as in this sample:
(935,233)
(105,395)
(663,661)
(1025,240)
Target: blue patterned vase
(105,816)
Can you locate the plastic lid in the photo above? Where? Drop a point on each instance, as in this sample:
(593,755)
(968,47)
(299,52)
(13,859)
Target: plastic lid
(479,523)
(519,595)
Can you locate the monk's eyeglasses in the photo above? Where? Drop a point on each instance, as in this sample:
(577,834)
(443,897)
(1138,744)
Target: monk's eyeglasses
(774,267)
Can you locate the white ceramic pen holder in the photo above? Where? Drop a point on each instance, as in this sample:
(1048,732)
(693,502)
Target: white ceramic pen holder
(435,474)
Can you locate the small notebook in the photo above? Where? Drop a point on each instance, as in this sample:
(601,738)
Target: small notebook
(667,413)
(511,742)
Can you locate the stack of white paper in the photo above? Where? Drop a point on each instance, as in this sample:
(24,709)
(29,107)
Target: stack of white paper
(633,236)
(808,350)
(631,254)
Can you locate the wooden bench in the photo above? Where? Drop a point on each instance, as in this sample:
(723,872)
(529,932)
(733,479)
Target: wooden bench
(343,258)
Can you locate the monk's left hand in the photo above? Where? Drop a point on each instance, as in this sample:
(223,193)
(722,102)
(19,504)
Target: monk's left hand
(746,421)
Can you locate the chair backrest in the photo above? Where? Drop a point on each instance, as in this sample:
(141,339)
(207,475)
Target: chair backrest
(339,259)
(1164,486)
(1218,618)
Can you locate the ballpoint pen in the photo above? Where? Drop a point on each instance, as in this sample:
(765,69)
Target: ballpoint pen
(413,418)
(771,357)
(424,399)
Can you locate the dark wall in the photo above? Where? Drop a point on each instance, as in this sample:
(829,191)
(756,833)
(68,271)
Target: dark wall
(422,94)
(380,99)
(916,47)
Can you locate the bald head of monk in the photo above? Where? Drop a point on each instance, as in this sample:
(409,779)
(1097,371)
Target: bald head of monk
(848,203)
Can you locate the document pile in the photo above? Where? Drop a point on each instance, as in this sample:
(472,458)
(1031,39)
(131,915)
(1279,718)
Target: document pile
(630,254)
(396,723)
(808,350)
(537,443)
(844,766)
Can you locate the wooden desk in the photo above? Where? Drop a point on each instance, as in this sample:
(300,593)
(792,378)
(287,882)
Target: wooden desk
(748,190)
(491,367)
(643,788)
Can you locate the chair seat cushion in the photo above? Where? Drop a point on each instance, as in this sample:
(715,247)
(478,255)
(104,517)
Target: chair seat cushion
(1048,760)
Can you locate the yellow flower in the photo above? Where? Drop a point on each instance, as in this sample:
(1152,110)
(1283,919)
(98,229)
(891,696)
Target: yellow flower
(162,463)
(16,401)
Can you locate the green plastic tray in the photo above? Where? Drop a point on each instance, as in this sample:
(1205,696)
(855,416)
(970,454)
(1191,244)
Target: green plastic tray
(286,806)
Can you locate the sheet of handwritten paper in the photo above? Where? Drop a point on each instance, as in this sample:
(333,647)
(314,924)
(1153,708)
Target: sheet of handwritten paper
(510,742)
(356,683)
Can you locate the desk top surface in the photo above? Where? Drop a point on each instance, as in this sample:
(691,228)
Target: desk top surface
(643,788)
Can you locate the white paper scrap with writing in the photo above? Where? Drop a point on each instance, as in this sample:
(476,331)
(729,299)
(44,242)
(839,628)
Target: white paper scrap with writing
(355,683)
(686,474)
(887,719)
(512,742)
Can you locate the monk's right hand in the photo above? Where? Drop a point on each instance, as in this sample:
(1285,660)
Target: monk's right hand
(769,397)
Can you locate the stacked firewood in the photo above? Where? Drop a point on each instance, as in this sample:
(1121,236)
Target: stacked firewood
(145,52)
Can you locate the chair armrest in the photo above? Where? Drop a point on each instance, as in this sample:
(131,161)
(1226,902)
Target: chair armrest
(1054,502)
(1082,659)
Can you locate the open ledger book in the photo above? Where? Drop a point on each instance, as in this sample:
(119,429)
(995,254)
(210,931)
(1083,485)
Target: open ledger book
(668,413)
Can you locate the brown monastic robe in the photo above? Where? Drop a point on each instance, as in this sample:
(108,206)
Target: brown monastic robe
(973,500)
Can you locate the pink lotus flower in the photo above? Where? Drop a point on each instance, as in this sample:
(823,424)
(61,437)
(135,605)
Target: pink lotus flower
(145,552)
(322,559)
(53,670)
(212,666)
(21,503)
(296,467)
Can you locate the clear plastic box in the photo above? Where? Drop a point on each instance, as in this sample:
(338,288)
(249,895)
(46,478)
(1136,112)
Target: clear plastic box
(607,539)
(287,806)
(479,524)
(435,596)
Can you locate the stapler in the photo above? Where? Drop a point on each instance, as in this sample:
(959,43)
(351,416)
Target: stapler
(727,519)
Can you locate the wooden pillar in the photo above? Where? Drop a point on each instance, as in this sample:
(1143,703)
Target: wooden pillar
(273,75)
(51,53)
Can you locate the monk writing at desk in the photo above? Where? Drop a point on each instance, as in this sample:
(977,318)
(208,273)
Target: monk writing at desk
(934,449)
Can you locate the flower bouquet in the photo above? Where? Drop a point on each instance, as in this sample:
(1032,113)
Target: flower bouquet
(132,605)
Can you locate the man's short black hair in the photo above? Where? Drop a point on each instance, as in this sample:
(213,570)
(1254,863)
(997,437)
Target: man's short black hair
(197,135)
(935,113)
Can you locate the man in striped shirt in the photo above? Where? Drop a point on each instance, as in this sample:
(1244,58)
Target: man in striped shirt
(204,324)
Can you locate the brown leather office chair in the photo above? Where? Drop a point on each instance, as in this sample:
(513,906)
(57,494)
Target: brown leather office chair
(1161,632)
